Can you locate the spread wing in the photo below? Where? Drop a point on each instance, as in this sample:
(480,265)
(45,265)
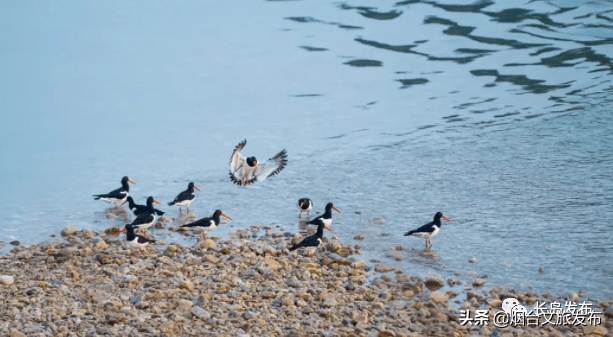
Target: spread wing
(271,167)
(237,160)
(237,163)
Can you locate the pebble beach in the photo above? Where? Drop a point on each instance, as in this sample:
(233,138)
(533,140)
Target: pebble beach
(90,283)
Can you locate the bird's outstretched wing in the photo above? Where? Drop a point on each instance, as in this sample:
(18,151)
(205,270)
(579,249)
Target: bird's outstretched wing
(237,164)
(237,160)
(271,167)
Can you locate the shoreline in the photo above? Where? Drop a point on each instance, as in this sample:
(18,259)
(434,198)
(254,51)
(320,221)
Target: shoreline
(89,283)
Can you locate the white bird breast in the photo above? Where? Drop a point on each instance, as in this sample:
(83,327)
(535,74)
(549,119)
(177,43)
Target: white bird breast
(184,202)
(428,235)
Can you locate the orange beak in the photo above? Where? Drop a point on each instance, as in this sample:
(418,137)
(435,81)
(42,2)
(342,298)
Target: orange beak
(226,216)
(328,228)
(448,219)
(196,187)
(121,231)
(157,201)
(336,209)
(131,181)
(301,203)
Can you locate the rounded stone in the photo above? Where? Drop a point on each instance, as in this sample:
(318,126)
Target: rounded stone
(69,231)
(439,297)
(7,280)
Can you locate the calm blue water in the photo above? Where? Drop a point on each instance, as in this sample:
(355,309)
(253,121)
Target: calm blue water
(497,115)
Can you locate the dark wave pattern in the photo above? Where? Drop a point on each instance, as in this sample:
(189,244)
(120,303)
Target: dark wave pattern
(559,53)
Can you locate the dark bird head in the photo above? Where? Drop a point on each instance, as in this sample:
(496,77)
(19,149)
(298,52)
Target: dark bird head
(131,203)
(127,228)
(125,180)
(152,200)
(330,207)
(219,212)
(191,186)
(439,215)
(252,162)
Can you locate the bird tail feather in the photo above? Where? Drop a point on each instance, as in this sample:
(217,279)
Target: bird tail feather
(409,233)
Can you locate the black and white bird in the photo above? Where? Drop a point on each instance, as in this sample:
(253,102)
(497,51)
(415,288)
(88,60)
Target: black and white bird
(139,209)
(312,241)
(210,223)
(118,196)
(325,218)
(429,230)
(247,170)
(148,217)
(186,197)
(135,240)
(304,205)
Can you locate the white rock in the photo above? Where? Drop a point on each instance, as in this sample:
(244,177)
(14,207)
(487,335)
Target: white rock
(129,278)
(7,280)
(200,313)
(329,303)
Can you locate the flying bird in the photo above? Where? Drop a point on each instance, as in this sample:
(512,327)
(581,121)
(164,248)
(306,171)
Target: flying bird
(118,196)
(429,230)
(247,170)
(186,197)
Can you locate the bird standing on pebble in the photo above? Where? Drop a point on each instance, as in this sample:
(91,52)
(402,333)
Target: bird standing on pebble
(117,196)
(135,240)
(325,218)
(186,197)
(312,241)
(210,223)
(429,230)
(304,205)
(147,218)
(139,209)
